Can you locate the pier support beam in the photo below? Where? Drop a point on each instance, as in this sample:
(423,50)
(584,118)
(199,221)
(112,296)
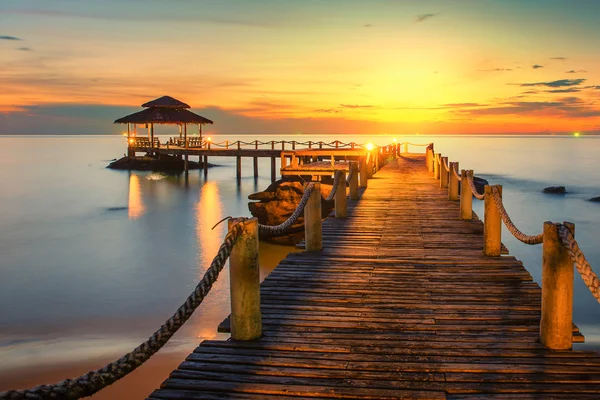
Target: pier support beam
(244,277)
(255,166)
(466,197)
(453,182)
(354,181)
(273,170)
(444,172)
(312,220)
(238,167)
(556,324)
(341,210)
(492,224)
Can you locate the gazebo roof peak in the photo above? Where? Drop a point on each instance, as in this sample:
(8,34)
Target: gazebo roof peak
(166,102)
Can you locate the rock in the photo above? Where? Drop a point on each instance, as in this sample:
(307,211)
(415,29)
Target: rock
(277,203)
(162,164)
(555,190)
(595,199)
(480,183)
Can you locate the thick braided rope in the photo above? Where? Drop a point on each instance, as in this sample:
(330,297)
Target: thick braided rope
(446,165)
(455,172)
(582,265)
(350,174)
(281,229)
(336,182)
(527,239)
(473,188)
(93,381)
(417,144)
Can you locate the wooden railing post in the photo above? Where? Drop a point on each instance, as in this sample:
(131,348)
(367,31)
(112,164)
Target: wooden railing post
(428,161)
(364,176)
(466,197)
(341,203)
(354,181)
(312,220)
(406,147)
(283,160)
(556,324)
(492,224)
(244,277)
(443,172)
(377,156)
(453,185)
(369,162)
(436,167)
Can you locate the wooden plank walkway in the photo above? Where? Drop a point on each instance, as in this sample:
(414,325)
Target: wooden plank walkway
(401,303)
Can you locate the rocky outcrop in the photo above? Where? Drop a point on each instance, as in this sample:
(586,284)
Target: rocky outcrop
(595,199)
(555,190)
(162,164)
(479,184)
(277,202)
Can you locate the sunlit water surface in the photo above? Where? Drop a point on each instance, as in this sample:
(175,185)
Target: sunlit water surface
(93,260)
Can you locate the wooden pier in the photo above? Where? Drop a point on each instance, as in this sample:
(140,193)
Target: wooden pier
(400,303)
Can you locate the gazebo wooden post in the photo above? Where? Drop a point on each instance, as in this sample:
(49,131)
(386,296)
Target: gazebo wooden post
(185,141)
(128,140)
(200,141)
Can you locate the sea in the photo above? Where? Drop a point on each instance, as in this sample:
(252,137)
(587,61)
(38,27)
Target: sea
(94,260)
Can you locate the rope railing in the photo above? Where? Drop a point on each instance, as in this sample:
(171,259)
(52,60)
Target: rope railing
(527,239)
(94,381)
(277,230)
(336,182)
(456,174)
(583,266)
(477,195)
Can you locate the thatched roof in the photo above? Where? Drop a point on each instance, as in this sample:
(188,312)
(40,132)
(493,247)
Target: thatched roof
(163,115)
(166,102)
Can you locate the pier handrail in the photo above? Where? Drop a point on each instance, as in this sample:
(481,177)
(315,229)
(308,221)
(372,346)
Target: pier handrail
(565,234)
(94,381)
(276,230)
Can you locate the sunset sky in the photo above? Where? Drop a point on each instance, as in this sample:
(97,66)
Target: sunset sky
(312,66)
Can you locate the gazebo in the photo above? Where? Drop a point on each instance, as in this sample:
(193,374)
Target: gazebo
(164,111)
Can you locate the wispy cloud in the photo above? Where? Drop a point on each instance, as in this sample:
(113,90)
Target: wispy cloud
(569,90)
(558,58)
(368,25)
(572,71)
(495,70)
(355,106)
(424,17)
(328,110)
(568,107)
(5,37)
(555,84)
(462,105)
(537,66)
(25,49)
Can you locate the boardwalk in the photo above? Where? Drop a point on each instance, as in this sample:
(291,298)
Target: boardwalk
(401,303)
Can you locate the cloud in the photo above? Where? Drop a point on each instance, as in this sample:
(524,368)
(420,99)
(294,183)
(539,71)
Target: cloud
(557,83)
(368,25)
(536,66)
(566,107)
(461,105)
(569,90)
(558,58)
(575,72)
(495,70)
(4,37)
(24,49)
(328,110)
(424,17)
(355,106)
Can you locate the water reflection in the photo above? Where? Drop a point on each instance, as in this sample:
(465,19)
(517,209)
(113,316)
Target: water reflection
(209,210)
(135,205)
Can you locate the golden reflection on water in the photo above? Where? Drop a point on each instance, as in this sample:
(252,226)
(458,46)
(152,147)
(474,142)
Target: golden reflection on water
(135,205)
(209,211)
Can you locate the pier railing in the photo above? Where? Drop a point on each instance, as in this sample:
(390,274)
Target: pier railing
(560,249)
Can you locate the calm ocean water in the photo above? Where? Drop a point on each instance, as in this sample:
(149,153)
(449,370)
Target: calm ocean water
(93,260)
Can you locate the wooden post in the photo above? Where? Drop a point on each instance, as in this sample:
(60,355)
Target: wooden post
(340,197)
(377,157)
(443,172)
(429,160)
(453,186)
(273,170)
(255,160)
(369,162)
(492,224)
(466,197)
(312,220)
(364,176)
(294,161)
(238,164)
(283,160)
(556,324)
(354,181)
(406,147)
(244,277)
(436,167)
(185,157)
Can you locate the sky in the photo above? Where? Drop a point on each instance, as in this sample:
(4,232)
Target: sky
(310,66)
